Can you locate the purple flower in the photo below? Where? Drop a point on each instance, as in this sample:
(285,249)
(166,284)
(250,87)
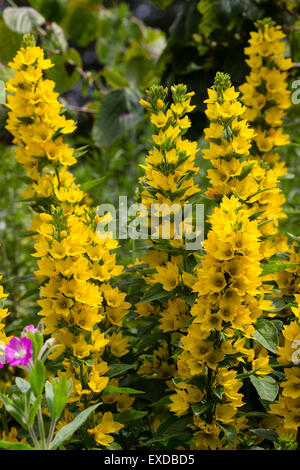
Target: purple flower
(1,364)
(18,352)
(30,328)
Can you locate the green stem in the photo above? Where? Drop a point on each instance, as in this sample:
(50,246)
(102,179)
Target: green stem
(41,428)
(34,438)
(51,432)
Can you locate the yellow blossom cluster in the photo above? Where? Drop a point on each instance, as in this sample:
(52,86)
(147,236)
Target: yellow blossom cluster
(75,266)
(230,299)
(265,92)
(267,97)
(235,170)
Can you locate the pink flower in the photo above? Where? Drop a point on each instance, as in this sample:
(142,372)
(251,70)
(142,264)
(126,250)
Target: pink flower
(30,328)
(1,364)
(18,352)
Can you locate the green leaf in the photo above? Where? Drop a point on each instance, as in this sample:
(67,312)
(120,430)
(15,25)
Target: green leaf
(10,43)
(13,411)
(15,446)
(113,389)
(70,428)
(37,378)
(199,408)
(49,393)
(129,415)
(266,334)
(34,410)
(274,268)
(23,385)
(120,111)
(2,92)
(22,19)
(60,396)
(266,387)
(229,432)
(52,10)
(269,434)
(162,402)
(118,369)
(114,79)
(65,73)
(91,184)
(155,292)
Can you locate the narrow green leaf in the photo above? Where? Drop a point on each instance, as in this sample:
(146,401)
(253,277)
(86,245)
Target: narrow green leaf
(129,415)
(15,446)
(113,389)
(70,428)
(37,378)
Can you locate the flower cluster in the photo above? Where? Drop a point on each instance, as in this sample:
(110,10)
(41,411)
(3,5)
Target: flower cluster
(266,96)
(230,299)
(235,170)
(74,265)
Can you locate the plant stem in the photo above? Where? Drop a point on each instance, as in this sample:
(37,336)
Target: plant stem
(51,432)
(41,428)
(34,438)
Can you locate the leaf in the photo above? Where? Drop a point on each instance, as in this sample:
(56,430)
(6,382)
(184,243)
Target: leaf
(229,432)
(2,92)
(70,428)
(269,434)
(155,292)
(60,396)
(34,410)
(10,43)
(162,402)
(52,10)
(22,19)
(199,408)
(15,446)
(65,73)
(13,411)
(120,111)
(23,385)
(118,369)
(113,389)
(37,378)
(274,268)
(129,415)
(266,334)
(91,184)
(114,79)
(266,387)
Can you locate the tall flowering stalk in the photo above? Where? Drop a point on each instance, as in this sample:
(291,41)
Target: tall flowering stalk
(235,171)
(230,293)
(286,411)
(167,187)
(78,305)
(266,95)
